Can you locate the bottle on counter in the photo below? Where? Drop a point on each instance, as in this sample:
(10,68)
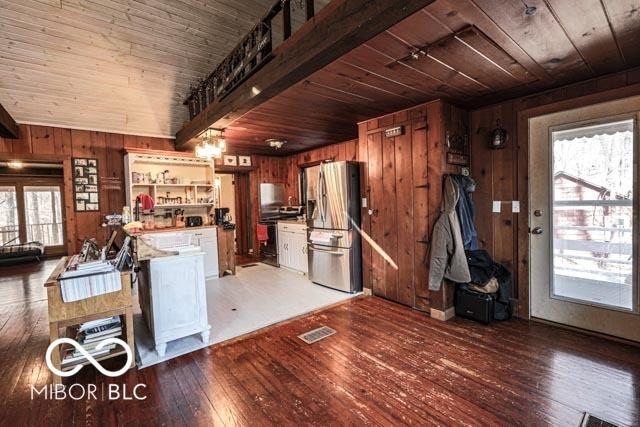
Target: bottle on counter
(126,215)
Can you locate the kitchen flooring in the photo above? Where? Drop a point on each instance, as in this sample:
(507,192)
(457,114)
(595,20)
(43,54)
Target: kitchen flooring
(259,295)
(386,365)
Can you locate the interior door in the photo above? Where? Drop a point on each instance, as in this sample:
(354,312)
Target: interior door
(584,217)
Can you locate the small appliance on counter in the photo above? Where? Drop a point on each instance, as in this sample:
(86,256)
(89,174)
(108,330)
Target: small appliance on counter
(223,218)
(193,221)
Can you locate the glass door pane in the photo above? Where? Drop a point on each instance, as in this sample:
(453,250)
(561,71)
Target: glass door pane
(9,216)
(43,215)
(592,202)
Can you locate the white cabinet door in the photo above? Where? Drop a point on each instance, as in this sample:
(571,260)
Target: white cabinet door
(208,241)
(282,247)
(301,251)
(210,247)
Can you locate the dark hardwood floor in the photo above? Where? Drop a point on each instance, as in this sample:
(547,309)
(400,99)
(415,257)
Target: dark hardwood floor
(387,365)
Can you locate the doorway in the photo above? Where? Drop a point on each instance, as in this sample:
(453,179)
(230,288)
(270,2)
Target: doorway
(31,210)
(583,173)
(234,194)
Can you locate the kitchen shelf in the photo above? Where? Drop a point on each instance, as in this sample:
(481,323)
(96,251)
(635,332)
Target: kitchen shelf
(184,205)
(171,185)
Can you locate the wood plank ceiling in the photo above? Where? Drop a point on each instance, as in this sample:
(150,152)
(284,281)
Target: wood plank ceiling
(471,52)
(121,66)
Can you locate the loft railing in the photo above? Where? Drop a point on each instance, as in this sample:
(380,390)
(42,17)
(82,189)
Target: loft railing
(253,51)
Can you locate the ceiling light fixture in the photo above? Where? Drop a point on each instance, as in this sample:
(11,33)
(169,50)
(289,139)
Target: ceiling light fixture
(212,145)
(276,143)
(529,10)
(15,164)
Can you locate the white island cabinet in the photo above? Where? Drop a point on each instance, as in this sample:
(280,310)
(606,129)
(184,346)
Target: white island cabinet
(171,288)
(292,246)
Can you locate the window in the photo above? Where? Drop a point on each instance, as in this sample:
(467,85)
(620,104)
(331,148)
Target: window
(9,223)
(593,213)
(43,215)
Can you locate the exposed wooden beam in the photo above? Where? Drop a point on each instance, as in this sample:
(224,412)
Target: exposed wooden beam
(337,29)
(8,127)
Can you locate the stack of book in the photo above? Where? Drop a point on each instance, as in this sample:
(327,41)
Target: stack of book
(84,280)
(89,335)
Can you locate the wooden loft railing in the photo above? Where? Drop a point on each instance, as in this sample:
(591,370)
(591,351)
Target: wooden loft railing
(256,71)
(247,57)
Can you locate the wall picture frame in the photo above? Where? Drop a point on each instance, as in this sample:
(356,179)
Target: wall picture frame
(244,160)
(230,160)
(86,192)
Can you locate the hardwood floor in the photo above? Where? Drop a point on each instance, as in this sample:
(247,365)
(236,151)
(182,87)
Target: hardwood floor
(387,365)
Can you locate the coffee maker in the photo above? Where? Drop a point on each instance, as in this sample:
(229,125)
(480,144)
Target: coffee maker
(223,218)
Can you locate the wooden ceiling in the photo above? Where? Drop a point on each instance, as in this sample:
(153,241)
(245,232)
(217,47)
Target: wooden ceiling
(116,65)
(471,52)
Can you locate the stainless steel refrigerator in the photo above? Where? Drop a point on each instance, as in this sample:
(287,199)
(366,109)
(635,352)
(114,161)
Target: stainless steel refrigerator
(333,219)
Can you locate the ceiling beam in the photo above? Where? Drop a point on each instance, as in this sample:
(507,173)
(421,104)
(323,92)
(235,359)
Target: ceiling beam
(335,30)
(8,127)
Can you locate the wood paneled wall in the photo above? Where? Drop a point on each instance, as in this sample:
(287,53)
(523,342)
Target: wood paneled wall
(402,179)
(503,174)
(44,143)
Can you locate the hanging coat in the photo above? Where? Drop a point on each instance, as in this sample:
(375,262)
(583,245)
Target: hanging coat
(448,259)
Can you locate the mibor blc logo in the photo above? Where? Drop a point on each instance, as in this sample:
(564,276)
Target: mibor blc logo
(89,391)
(89,357)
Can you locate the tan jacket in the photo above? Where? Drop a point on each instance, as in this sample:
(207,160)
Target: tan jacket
(448,259)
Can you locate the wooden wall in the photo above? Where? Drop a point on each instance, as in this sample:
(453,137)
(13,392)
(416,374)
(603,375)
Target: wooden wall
(402,180)
(46,143)
(503,174)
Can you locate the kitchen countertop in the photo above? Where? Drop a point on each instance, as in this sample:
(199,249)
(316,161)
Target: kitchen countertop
(170,230)
(293,221)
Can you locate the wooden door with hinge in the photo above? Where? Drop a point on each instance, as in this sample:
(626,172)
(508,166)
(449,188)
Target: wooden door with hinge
(397,193)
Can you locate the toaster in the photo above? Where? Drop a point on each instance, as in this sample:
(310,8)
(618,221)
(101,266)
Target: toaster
(193,221)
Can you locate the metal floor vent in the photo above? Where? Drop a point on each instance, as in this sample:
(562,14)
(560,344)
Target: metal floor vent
(248,265)
(589,420)
(317,334)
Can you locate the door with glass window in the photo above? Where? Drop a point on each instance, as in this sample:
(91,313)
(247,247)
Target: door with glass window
(31,210)
(584,218)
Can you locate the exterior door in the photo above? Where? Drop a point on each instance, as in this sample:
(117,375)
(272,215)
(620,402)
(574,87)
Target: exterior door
(584,217)
(31,209)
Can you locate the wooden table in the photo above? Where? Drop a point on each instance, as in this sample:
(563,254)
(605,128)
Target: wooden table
(67,314)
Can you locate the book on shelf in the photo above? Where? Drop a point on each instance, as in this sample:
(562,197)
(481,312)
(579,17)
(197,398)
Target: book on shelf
(89,335)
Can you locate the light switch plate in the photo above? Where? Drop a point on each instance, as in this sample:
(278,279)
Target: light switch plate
(515,206)
(364,202)
(497,204)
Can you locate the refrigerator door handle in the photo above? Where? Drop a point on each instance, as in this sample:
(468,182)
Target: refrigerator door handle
(326,252)
(321,194)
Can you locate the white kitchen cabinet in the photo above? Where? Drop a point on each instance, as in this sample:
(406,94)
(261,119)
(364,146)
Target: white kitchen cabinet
(173,298)
(292,246)
(207,239)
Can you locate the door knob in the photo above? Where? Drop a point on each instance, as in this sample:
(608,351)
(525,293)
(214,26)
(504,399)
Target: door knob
(536,230)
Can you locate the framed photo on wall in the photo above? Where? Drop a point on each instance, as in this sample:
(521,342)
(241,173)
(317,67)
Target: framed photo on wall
(230,160)
(86,192)
(244,160)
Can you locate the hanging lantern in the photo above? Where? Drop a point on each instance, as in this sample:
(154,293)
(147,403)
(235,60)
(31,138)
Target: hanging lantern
(499,136)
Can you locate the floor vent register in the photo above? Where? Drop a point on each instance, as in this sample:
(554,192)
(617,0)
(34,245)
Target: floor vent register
(317,334)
